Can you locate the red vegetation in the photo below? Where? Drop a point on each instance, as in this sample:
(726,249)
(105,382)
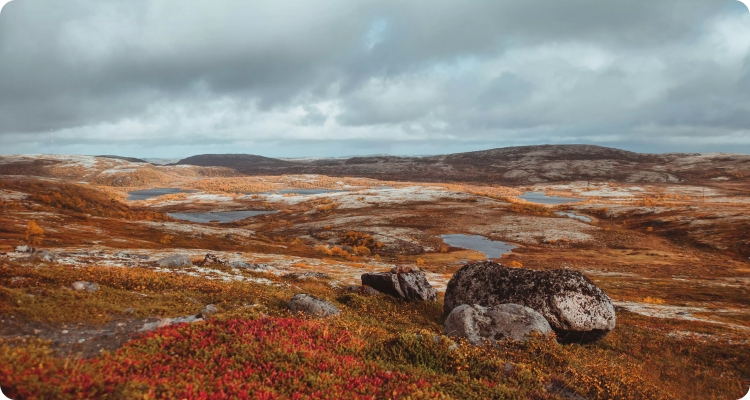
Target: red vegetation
(263,358)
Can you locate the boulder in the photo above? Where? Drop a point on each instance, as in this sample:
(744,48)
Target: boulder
(25,249)
(481,325)
(312,306)
(576,309)
(43,255)
(411,285)
(80,286)
(177,260)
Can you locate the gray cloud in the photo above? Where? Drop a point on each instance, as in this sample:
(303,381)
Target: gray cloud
(334,77)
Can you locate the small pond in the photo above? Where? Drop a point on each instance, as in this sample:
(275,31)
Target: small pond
(576,216)
(540,198)
(490,248)
(151,193)
(227,216)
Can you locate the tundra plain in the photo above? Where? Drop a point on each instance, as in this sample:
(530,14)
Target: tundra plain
(666,237)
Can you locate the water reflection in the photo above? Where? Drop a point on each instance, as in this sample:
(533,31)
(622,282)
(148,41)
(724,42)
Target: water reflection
(540,198)
(227,216)
(151,193)
(490,248)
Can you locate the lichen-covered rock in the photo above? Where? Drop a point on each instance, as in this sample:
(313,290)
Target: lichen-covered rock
(84,286)
(481,325)
(410,285)
(177,260)
(312,306)
(43,255)
(576,309)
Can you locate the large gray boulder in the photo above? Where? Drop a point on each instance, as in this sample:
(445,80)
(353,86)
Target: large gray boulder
(408,284)
(177,260)
(43,255)
(576,309)
(481,325)
(312,306)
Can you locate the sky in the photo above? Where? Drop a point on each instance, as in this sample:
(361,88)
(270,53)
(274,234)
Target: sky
(327,78)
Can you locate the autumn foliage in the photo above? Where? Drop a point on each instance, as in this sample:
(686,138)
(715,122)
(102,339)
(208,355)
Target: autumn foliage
(34,234)
(78,200)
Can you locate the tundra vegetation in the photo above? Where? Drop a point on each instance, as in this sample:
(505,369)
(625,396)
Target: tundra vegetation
(673,259)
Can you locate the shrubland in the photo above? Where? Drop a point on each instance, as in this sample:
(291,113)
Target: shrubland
(380,347)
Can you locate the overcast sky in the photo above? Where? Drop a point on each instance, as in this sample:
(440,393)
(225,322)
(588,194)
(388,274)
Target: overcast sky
(281,78)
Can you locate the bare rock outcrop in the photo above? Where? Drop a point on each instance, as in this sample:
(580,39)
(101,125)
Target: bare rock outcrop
(576,309)
(481,325)
(406,283)
(312,306)
(177,260)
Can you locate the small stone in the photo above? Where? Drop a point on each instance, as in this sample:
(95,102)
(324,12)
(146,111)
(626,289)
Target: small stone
(129,310)
(81,340)
(25,249)
(84,286)
(208,310)
(64,331)
(312,306)
(177,260)
(121,324)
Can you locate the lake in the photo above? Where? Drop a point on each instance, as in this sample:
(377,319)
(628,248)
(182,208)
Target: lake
(490,248)
(151,193)
(227,216)
(540,198)
(576,216)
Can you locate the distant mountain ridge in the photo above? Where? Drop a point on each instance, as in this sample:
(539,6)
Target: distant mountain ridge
(508,165)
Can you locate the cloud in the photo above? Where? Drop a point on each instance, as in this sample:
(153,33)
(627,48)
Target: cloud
(339,77)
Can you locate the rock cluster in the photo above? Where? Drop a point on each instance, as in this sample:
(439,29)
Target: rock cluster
(212,259)
(576,309)
(406,282)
